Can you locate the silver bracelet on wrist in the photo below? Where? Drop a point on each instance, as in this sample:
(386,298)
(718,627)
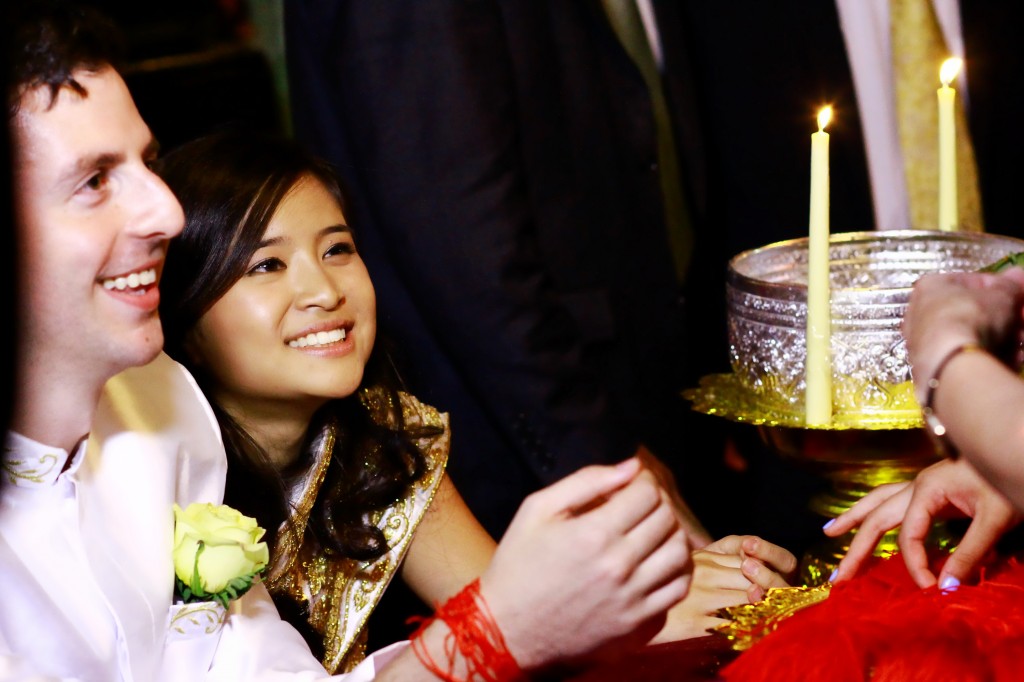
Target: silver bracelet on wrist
(933,425)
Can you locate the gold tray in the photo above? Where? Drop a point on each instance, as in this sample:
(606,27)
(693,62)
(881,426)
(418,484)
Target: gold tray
(747,623)
(726,396)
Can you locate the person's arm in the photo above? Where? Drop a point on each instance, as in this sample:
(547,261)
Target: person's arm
(588,567)
(449,550)
(978,397)
(981,403)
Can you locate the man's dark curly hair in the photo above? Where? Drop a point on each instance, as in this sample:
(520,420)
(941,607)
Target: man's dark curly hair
(48,40)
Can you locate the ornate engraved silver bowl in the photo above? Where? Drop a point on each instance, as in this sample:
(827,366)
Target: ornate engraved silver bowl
(871,274)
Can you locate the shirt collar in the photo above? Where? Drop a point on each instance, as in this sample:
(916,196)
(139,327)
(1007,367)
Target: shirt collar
(30,464)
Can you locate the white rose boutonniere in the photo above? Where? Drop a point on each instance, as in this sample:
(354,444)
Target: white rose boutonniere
(217,553)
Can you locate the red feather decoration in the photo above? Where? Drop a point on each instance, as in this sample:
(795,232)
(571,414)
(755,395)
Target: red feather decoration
(880,626)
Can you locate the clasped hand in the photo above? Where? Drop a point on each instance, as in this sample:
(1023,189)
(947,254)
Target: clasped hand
(616,532)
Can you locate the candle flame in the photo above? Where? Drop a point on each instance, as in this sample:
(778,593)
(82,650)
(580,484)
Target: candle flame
(950,69)
(824,116)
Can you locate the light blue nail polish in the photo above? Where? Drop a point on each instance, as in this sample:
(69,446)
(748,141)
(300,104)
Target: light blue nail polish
(828,525)
(949,584)
(832,577)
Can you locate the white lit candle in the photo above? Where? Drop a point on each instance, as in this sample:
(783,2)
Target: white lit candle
(818,360)
(948,216)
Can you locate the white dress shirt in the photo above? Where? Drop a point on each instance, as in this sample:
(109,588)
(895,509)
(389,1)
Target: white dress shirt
(865,25)
(85,553)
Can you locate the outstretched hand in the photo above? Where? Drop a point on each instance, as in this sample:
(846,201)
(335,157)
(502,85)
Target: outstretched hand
(733,570)
(590,563)
(947,489)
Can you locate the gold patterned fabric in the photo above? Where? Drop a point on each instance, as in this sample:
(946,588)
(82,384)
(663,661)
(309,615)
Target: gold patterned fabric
(918,50)
(340,594)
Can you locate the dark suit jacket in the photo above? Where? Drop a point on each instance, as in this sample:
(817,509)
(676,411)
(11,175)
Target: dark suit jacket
(500,156)
(502,161)
(764,69)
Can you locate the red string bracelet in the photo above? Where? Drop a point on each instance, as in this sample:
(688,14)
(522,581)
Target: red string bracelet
(472,633)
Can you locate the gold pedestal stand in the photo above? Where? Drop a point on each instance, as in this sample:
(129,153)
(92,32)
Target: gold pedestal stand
(855,455)
(854,461)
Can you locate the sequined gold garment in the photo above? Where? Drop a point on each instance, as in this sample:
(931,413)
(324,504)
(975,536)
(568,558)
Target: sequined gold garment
(341,593)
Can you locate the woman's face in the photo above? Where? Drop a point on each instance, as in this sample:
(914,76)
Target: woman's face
(296,330)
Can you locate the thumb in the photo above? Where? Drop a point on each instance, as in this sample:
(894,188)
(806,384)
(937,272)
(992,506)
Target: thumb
(961,563)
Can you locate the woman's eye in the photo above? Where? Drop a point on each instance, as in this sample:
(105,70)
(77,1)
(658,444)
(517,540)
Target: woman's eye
(341,248)
(266,265)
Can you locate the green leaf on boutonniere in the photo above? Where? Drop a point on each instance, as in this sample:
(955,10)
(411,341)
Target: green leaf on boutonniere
(235,589)
(193,591)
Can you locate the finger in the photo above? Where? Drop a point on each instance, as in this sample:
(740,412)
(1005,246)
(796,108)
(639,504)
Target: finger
(730,544)
(884,518)
(697,539)
(770,554)
(980,537)
(961,563)
(755,593)
(916,525)
(664,577)
(719,571)
(856,514)
(861,547)
(760,575)
(581,489)
(714,559)
(630,506)
(659,527)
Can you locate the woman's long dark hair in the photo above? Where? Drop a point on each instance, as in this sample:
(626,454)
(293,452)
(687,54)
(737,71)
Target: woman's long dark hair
(230,184)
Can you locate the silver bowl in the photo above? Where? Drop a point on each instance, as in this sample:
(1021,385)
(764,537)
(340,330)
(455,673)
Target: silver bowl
(871,274)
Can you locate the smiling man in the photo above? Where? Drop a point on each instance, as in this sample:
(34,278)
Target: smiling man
(107,433)
(94,226)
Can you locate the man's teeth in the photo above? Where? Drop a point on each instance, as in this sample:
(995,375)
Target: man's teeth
(132,281)
(318,339)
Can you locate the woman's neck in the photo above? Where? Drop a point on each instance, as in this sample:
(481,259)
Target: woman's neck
(280,430)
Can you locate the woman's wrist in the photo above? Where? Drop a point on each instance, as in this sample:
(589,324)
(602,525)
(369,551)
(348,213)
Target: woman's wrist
(934,425)
(930,363)
(474,634)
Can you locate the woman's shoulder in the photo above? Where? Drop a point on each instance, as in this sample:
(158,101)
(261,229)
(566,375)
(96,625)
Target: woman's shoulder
(414,413)
(418,413)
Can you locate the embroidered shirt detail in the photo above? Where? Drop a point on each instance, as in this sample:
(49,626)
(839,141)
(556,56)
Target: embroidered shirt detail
(195,619)
(27,463)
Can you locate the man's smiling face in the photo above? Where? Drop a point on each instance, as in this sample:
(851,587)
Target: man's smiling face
(94,222)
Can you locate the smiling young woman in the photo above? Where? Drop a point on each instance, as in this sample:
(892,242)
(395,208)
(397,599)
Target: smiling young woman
(267,301)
